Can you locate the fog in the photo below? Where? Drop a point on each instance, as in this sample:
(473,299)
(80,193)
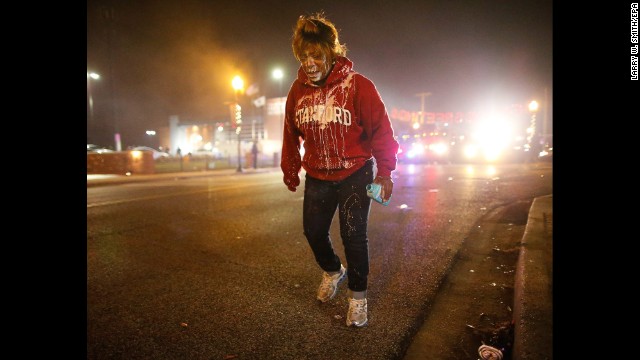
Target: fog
(162,58)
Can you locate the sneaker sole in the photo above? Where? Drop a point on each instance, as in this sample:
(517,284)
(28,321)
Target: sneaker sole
(353,324)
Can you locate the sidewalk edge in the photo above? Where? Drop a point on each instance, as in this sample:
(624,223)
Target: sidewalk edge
(533,307)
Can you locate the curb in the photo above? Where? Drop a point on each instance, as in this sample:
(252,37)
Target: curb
(533,307)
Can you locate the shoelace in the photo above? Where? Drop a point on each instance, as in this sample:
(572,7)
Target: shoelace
(357,306)
(327,282)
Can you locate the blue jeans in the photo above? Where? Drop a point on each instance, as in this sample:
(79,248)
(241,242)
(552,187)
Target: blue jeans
(349,196)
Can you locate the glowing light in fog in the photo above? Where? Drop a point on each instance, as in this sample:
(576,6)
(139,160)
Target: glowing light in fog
(438,148)
(492,153)
(497,133)
(277,74)
(136,154)
(470,151)
(469,170)
(492,135)
(416,150)
(237,83)
(491,170)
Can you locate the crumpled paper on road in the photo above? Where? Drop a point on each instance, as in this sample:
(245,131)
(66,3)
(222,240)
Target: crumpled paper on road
(487,352)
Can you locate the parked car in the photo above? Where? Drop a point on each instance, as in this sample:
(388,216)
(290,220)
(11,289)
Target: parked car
(213,153)
(157,154)
(93,148)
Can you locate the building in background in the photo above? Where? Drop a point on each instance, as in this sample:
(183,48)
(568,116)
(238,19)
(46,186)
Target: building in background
(262,124)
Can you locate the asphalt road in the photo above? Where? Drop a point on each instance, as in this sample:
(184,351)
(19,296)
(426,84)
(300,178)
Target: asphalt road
(217,267)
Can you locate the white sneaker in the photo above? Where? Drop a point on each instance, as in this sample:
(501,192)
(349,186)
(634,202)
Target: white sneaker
(329,285)
(357,314)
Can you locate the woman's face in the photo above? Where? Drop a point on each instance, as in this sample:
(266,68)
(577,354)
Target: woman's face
(315,63)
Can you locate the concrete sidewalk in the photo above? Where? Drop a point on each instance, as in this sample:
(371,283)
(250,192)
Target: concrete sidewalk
(533,298)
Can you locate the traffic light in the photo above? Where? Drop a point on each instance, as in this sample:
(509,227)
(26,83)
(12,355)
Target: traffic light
(238,118)
(236,115)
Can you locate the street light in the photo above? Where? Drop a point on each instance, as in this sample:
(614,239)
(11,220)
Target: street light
(94,76)
(238,85)
(278,75)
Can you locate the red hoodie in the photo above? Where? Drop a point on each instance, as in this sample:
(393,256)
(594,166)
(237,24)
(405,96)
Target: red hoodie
(343,124)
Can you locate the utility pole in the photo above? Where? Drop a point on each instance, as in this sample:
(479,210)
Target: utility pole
(422,96)
(108,15)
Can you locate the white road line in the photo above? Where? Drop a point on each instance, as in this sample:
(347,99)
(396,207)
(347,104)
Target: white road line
(152,197)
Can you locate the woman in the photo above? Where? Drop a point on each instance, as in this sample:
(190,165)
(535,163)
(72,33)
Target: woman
(340,118)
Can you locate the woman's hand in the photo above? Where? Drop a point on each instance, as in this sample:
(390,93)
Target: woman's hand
(292,182)
(387,186)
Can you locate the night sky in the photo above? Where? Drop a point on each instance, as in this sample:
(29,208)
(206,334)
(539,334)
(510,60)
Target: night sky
(161,58)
